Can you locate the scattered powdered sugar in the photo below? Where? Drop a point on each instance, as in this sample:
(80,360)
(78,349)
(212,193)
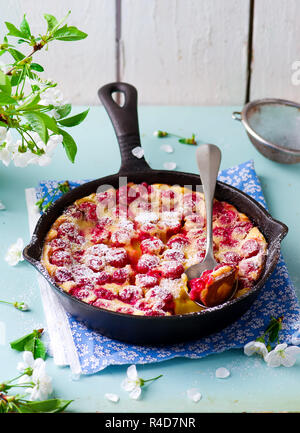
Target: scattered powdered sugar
(147,217)
(126,224)
(97,250)
(138,152)
(174,287)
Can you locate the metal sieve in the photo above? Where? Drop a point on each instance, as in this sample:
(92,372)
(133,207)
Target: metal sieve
(273,126)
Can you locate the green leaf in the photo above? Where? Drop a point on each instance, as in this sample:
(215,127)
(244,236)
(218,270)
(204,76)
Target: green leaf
(50,123)
(36,67)
(20,343)
(5,84)
(5,99)
(40,350)
(32,343)
(64,110)
(15,78)
(54,405)
(71,33)
(25,29)
(13,31)
(51,20)
(17,55)
(69,145)
(37,123)
(74,120)
(30,104)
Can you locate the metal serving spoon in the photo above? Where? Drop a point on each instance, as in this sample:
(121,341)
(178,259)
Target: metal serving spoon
(208,160)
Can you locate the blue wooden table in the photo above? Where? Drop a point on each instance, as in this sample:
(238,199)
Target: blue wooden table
(252,385)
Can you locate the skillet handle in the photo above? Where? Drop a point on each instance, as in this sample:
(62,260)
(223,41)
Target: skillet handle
(125,123)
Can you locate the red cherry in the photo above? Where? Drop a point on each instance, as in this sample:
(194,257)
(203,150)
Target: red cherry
(117,257)
(80,292)
(68,230)
(196,285)
(231,258)
(147,262)
(154,313)
(100,235)
(152,246)
(218,209)
(73,212)
(121,237)
(144,280)
(228,217)
(218,231)
(174,254)
(62,275)
(58,244)
(77,255)
(89,210)
(96,264)
(178,240)
(60,258)
(172,269)
(120,276)
(103,278)
(103,293)
(250,248)
(130,294)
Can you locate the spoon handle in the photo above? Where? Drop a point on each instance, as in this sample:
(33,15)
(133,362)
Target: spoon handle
(208,160)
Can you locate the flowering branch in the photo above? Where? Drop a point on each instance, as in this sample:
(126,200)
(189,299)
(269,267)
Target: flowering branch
(31,106)
(37,386)
(62,187)
(18,305)
(281,354)
(162,134)
(133,383)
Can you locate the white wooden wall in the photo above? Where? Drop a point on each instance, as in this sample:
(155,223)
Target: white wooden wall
(179,52)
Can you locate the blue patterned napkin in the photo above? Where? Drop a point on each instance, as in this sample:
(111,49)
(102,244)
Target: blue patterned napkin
(277,298)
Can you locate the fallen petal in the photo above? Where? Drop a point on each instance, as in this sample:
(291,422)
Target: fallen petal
(194,394)
(2,205)
(138,152)
(170,165)
(112,397)
(167,148)
(222,373)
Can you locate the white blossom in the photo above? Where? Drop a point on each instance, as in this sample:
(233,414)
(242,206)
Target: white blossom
(6,146)
(35,375)
(132,383)
(255,347)
(22,159)
(52,96)
(282,355)
(14,254)
(2,205)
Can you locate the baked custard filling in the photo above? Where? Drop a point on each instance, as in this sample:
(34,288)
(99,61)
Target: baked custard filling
(127,249)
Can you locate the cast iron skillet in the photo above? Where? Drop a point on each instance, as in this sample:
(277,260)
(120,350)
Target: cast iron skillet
(151,329)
